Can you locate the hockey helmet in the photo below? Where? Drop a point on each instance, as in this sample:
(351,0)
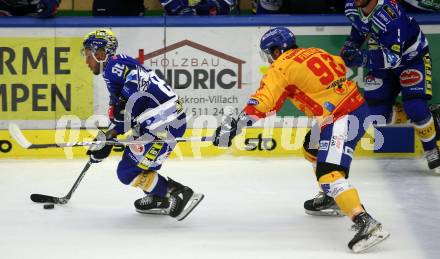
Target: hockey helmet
(279,37)
(101,39)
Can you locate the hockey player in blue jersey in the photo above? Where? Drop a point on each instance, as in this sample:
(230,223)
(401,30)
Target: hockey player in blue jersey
(142,102)
(398,62)
(198,7)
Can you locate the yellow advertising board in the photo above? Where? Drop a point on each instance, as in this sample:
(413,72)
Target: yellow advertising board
(44,78)
(255,142)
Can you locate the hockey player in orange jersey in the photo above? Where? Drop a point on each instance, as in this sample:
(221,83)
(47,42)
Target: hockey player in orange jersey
(315,82)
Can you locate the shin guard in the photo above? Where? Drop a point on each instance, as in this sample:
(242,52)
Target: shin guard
(426,133)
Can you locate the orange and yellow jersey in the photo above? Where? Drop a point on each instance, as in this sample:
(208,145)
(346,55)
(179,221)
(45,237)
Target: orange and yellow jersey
(312,79)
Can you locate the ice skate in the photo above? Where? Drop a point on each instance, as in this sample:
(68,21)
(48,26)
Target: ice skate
(183,200)
(369,233)
(322,205)
(153,204)
(433,159)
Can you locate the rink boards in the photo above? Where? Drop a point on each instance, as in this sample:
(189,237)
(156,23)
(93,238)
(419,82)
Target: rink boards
(44,76)
(398,142)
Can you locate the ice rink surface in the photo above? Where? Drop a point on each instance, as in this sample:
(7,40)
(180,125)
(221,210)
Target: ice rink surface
(253,208)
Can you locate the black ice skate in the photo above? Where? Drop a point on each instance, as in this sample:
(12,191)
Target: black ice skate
(153,204)
(322,205)
(182,199)
(433,158)
(369,233)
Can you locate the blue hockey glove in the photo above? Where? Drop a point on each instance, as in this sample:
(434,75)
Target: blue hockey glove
(224,134)
(354,57)
(47,8)
(98,153)
(214,7)
(177,7)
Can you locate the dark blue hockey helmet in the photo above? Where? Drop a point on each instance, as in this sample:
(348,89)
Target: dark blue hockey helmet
(279,37)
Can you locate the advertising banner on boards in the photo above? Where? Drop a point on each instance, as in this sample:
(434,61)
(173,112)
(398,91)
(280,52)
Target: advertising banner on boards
(43,75)
(43,78)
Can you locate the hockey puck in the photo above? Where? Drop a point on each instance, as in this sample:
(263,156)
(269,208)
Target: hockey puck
(48,206)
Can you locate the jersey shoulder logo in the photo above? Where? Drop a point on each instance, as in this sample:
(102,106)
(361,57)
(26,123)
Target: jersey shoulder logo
(253,101)
(390,12)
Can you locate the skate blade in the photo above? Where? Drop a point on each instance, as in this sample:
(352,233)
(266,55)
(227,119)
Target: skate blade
(436,170)
(375,238)
(326,213)
(195,199)
(154,211)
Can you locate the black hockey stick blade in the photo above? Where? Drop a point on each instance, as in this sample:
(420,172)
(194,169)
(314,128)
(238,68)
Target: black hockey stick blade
(41,198)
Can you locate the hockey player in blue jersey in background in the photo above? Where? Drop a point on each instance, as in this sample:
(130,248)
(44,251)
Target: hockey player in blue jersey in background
(142,102)
(198,7)
(398,62)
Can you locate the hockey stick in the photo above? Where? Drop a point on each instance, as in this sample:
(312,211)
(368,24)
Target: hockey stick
(41,198)
(18,136)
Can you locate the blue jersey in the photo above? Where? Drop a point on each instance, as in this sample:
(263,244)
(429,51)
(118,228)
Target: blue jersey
(150,102)
(198,7)
(395,38)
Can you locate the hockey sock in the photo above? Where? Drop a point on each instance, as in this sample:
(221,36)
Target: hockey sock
(426,133)
(151,182)
(420,115)
(346,196)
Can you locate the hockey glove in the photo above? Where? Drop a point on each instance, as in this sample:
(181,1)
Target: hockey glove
(224,134)
(352,56)
(214,7)
(355,57)
(116,112)
(177,7)
(99,152)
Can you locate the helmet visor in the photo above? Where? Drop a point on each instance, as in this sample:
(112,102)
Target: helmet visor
(266,56)
(82,51)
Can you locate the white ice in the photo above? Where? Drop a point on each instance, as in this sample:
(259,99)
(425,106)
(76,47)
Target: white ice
(253,208)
